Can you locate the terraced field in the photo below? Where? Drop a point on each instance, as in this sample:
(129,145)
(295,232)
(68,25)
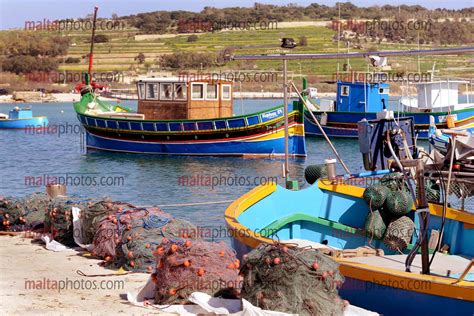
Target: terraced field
(119,54)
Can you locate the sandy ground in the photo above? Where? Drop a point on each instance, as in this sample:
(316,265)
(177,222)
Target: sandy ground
(21,261)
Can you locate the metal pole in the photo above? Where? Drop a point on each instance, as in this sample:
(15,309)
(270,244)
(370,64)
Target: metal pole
(424,215)
(321,129)
(285,109)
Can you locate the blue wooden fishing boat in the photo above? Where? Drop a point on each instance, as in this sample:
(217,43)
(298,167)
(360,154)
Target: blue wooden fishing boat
(22,119)
(333,216)
(381,274)
(358,100)
(188,118)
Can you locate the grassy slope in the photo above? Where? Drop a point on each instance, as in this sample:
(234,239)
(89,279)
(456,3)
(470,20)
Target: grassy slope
(119,53)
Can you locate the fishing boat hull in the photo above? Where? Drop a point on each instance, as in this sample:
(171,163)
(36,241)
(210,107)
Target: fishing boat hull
(28,123)
(263,145)
(260,134)
(334,215)
(344,124)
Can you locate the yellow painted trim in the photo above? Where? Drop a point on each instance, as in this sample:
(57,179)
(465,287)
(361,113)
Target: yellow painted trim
(297,129)
(345,189)
(246,235)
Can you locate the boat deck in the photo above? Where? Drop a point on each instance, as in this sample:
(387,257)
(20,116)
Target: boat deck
(443,265)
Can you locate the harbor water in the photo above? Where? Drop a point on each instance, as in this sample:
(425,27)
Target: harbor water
(33,158)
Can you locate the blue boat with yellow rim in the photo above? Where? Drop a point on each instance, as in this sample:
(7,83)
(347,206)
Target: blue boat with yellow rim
(333,215)
(176,117)
(22,119)
(376,233)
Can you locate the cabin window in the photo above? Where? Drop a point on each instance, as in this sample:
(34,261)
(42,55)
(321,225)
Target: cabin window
(166,91)
(226,92)
(141,91)
(197,91)
(152,91)
(180,92)
(211,93)
(345,91)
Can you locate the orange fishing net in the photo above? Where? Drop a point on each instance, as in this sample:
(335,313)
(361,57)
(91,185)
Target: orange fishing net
(184,267)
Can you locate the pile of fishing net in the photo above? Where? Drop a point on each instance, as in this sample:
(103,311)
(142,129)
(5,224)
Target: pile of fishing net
(23,214)
(292,280)
(389,202)
(187,266)
(59,219)
(127,238)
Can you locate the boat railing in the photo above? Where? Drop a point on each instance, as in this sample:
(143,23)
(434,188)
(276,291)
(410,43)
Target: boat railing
(224,124)
(460,196)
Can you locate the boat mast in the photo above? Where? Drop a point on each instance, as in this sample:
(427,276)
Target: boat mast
(91,52)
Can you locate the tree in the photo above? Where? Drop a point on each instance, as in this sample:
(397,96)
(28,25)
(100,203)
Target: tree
(303,41)
(141,58)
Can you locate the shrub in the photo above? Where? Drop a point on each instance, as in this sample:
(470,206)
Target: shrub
(193,38)
(303,41)
(72,60)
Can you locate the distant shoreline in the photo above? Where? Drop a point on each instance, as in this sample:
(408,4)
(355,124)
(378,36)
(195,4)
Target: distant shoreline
(73,97)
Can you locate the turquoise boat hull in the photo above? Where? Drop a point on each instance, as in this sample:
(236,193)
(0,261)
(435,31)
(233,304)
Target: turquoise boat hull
(28,123)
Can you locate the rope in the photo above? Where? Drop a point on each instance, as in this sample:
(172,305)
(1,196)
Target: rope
(187,204)
(155,221)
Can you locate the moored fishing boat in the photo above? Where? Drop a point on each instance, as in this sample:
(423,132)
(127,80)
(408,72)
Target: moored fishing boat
(357,100)
(375,234)
(22,119)
(188,118)
(328,216)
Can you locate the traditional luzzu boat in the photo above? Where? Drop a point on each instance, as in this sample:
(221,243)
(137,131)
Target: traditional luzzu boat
(358,100)
(333,215)
(22,119)
(188,118)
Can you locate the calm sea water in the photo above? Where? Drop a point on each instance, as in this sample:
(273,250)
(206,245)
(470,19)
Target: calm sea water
(27,159)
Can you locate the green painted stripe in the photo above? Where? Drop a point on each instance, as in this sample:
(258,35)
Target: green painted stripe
(280,223)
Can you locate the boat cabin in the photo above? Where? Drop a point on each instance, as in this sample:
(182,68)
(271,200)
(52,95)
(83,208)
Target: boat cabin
(18,113)
(176,99)
(351,96)
(439,95)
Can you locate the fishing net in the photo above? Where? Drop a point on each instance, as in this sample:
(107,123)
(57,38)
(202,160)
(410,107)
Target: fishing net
(394,181)
(11,213)
(399,233)
(36,206)
(96,212)
(58,220)
(292,280)
(183,267)
(313,172)
(399,203)
(128,238)
(432,190)
(23,214)
(375,225)
(376,195)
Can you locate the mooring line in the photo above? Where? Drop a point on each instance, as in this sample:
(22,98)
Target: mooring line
(187,204)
